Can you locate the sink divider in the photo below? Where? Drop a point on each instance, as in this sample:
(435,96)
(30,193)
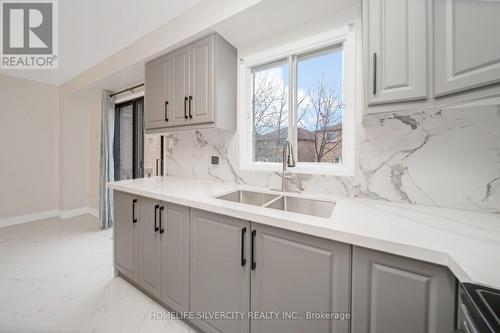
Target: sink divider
(272,201)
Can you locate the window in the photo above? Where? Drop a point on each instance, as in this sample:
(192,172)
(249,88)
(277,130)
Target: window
(303,95)
(316,123)
(319,106)
(270,111)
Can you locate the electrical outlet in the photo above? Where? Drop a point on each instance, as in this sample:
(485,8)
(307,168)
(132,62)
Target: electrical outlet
(215,159)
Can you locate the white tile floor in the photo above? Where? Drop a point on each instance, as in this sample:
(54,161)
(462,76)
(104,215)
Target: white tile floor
(57,276)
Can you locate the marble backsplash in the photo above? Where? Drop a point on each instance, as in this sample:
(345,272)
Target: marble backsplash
(446,158)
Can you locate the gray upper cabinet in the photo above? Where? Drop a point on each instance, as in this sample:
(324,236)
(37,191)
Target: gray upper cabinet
(200,80)
(175,256)
(392,294)
(396,50)
(180,88)
(220,278)
(299,273)
(157,93)
(126,223)
(466,44)
(149,246)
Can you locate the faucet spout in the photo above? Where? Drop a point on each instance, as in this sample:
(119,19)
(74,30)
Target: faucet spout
(288,161)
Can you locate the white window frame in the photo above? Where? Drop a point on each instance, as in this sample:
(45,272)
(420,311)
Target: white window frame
(345,36)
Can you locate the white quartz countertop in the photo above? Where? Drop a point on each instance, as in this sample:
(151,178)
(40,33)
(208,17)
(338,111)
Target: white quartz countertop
(468,243)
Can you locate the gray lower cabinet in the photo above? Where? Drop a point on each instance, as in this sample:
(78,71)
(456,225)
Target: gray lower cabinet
(125,234)
(175,256)
(151,242)
(149,246)
(164,252)
(296,273)
(220,271)
(392,294)
(207,263)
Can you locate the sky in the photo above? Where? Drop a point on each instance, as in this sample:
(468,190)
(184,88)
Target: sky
(310,72)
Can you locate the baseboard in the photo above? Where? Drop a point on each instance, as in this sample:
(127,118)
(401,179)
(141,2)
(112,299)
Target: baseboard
(63,214)
(66,214)
(5,222)
(93,211)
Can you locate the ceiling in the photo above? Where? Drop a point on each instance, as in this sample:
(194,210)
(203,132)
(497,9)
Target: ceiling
(272,17)
(92,30)
(114,24)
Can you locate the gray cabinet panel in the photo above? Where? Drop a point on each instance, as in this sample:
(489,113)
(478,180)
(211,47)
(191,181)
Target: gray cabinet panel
(392,294)
(175,257)
(218,280)
(124,234)
(397,49)
(299,273)
(180,86)
(201,80)
(150,248)
(466,47)
(156,93)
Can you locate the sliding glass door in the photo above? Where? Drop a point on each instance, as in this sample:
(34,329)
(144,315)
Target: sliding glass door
(129,140)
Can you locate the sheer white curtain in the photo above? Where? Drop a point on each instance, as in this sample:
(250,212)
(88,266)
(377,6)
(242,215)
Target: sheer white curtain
(107,164)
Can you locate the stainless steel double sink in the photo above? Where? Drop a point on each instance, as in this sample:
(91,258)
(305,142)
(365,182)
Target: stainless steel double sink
(284,202)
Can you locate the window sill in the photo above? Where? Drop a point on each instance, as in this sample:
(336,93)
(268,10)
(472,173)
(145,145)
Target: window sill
(301,168)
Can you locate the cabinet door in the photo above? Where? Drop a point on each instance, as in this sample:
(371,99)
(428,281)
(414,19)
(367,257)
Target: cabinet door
(299,273)
(124,233)
(393,294)
(175,257)
(201,81)
(150,247)
(466,44)
(156,93)
(397,50)
(180,82)
(220,281)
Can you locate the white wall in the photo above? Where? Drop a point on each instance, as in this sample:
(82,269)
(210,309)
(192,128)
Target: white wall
(442,157)
(94,151)
(79,147)
(29,135)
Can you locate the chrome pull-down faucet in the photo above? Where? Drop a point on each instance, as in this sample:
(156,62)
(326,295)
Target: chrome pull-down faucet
(288,161)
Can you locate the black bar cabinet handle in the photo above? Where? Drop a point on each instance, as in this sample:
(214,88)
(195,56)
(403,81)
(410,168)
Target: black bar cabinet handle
(375,73)
(156,210)
(134,219)
(254,232)
(243,259)
(190,99)
(161,228)
(166,110)
(185,111)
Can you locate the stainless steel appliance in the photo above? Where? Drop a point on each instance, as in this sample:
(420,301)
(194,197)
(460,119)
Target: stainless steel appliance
(478,309)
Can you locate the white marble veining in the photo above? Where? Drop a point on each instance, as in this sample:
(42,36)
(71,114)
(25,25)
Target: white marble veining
(466,242)
(57,276)
(442,157)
